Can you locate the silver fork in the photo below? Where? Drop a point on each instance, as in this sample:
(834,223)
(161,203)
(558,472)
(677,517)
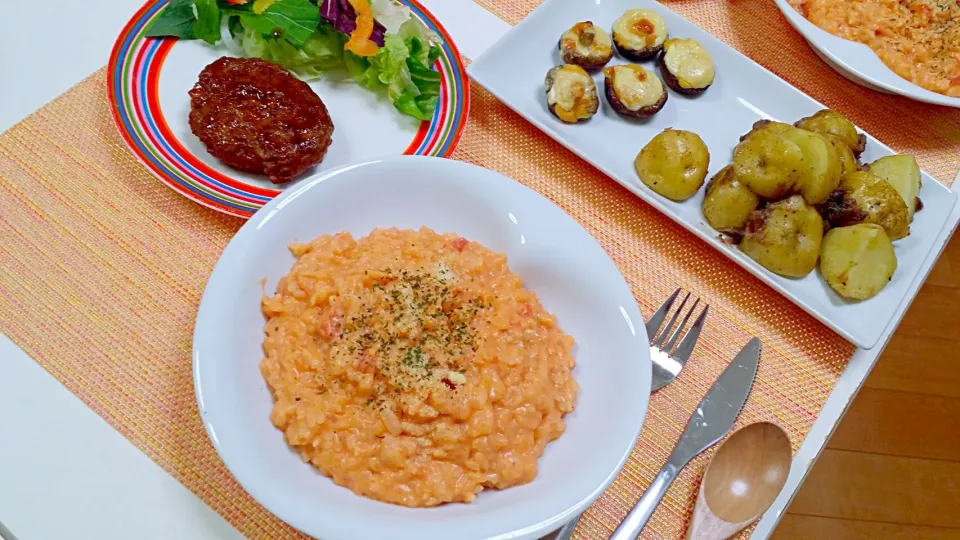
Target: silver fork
(668,358)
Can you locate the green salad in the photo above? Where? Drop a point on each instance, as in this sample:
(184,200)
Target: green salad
(379,43)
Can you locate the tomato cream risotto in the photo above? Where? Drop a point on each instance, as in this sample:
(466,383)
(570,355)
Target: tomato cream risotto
(413,367)
(917,39)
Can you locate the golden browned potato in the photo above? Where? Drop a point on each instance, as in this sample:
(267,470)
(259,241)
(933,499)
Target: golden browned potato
(728,203)
(857,261)
(673,164)
(821,171)
(571,93)
(830,122)
(864,197)
(768,126)
(633,90)
(848,163)
(903,173)
(770,164)
(784,237)
(586,45)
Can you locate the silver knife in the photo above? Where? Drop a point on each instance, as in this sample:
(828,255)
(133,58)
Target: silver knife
(712,420)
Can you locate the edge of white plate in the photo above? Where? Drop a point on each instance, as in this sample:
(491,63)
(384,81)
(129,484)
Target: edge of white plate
(767,277)
(532,532)
(859,61)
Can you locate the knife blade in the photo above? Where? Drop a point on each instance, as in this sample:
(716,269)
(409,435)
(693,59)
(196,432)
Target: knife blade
(715,415)
(710,422)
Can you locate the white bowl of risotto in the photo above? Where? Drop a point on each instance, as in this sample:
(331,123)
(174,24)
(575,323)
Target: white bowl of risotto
(420,348)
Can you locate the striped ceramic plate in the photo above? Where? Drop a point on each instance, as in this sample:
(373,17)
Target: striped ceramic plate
(148,83)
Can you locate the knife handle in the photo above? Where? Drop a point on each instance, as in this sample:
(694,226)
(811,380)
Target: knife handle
(631,526)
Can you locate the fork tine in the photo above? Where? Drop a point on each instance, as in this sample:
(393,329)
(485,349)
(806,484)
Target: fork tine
(679,330)
(653,325)
(666,329)
(685,349)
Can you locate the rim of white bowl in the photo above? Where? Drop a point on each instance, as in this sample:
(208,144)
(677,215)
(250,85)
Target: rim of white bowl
(530,532)
(860,61)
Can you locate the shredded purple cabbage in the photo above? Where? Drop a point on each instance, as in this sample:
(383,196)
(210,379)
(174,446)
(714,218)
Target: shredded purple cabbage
(343,17)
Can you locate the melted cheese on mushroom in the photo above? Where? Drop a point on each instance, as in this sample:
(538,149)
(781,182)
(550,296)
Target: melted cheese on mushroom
(588,39)
(635,87)
(689,62)
(572,90)
(639,29)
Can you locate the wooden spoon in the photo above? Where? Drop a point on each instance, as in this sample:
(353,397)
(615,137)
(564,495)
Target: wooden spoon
(741,482)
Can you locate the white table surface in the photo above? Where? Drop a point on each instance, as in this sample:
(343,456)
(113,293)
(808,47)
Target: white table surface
(64,472)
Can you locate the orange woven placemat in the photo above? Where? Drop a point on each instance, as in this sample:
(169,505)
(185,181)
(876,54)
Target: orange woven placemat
(102,268)
(801,358)
(758,29)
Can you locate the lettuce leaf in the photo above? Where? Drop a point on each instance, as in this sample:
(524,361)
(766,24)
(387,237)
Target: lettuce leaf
(176,20)
(402,67)
(319,53)
(207,26)
(390,13)
(293,20)
(405,68)
(359,68)
(413,28)
(308,40)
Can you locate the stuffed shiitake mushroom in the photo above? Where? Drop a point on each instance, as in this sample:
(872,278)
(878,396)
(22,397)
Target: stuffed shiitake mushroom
(686,66)
(571,93)
(639,34)
(586,45)
(633,90)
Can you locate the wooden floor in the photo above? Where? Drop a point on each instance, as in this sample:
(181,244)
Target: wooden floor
(892,468)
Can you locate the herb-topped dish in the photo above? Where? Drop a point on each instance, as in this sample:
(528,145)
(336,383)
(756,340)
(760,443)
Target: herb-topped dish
(413,370)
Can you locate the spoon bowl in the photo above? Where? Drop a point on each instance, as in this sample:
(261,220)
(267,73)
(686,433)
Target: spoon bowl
(742,481)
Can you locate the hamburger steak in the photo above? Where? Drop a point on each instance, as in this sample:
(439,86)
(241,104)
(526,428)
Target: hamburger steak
(255,116)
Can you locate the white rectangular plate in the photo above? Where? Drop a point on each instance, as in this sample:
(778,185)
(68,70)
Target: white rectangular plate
(513,70)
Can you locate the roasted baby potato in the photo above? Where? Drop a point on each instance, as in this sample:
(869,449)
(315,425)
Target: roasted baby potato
(728,203)
(848,163)
(903,173)
(673,164)
(768,163)
(586,45)
(864,197)
(768,126)
(784,237)
(776,159)
(686,66)
(821,165)
(633,90)
(571,93)
(830,122)
(857,261)
(639,34)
